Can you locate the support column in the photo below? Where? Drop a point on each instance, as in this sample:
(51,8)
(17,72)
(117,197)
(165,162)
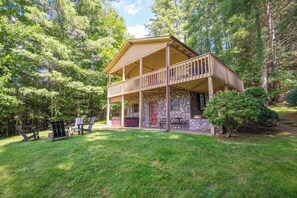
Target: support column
(123,101)
(210,95)
(226,88)
(108,102)
(108,112)
(140,95)
(122,111)
(167,89)
(140,110)
(123,74)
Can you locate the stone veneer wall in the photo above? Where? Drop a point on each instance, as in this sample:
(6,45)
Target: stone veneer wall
(184,102)
(188,108)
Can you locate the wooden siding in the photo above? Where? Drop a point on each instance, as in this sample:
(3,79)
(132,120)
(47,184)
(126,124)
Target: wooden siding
(154,62)
(137,51)
(226,75)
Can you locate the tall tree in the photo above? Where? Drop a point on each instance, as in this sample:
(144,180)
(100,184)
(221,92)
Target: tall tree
(168,19)
(53,55)
(255,38)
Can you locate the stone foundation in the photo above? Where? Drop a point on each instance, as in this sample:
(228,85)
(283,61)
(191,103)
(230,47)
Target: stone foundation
(197,124)
(184,104)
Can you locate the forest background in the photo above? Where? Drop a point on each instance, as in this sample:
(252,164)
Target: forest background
(53,52)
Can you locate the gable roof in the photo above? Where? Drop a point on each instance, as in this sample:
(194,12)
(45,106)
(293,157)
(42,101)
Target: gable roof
(134,49)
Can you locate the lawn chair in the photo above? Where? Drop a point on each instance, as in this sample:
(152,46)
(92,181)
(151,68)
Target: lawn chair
(90,125)
(35,134)
(59,131)
(77,125)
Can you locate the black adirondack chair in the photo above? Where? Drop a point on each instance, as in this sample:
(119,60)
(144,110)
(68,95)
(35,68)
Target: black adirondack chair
(35,134)
(59,130)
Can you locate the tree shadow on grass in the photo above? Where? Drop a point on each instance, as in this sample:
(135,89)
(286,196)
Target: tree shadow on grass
(126,163)
(102,162)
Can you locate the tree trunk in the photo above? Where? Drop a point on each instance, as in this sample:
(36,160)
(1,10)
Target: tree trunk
(273,66)
(271,36)
(228,132)
(265,77)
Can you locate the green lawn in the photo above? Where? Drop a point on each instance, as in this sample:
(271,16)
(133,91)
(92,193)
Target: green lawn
(288,115)
(133,163)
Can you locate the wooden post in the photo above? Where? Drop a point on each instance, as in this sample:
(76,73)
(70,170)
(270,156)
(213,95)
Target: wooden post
(210,87)
(167,89)
(226,77)
(108,102)
(108,112)
(122,111)
(242,86)
(123,74)
(140,95)
(210,94)
(226,88)
(140,110)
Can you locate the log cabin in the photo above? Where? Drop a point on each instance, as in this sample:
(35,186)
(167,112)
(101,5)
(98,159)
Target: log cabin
(165,84)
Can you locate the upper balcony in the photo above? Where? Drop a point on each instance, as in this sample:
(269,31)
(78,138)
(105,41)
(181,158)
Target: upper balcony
(181,74)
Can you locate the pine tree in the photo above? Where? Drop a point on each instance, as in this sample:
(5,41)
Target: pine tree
(55,52)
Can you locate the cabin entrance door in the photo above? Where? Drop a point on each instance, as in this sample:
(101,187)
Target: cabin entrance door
(153,113)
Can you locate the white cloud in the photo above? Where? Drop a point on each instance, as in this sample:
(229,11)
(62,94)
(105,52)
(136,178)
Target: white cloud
(117,4)
(138,31)
(131,9)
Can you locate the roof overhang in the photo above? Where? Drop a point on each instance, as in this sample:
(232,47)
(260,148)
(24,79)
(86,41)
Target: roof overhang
(166,39)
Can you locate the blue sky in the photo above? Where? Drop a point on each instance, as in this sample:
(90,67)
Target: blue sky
(136,14)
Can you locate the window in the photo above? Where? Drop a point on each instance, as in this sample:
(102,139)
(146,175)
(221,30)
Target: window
(202,101)
(135,108)
(175,105)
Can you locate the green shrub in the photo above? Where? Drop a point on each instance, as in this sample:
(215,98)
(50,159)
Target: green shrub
(266,114)
(257,92)
(267,117)
(291,97)
(231,109)
(240,111)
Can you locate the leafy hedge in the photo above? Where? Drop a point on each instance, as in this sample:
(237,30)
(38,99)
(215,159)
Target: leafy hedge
(291,98)
(257,92)
(235,110)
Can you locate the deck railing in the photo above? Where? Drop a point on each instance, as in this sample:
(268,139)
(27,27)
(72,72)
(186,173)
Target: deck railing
(192,69)
(226,75)
(195,68)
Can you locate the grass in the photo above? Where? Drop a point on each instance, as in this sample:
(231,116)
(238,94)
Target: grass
(288,115)
(134,163)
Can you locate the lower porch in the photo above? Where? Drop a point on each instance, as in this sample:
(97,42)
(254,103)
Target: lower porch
(178,107)
(192,125)
(186,110)
(174,130)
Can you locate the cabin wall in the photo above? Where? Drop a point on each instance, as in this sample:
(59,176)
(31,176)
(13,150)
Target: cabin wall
(135,52)
(189,106)
(184,103)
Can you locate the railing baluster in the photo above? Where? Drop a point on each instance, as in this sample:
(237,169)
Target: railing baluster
(208,64)
(198,67)
(178,71)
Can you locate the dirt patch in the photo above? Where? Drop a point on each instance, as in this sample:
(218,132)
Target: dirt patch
(154,163)
(286,128)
